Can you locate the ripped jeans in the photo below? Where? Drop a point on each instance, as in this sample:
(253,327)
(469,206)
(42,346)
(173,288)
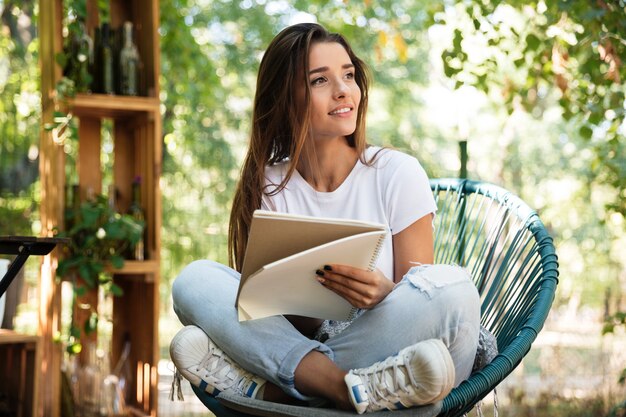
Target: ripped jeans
(431,301)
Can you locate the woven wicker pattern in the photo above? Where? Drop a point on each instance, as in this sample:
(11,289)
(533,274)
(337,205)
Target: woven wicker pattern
(512,259)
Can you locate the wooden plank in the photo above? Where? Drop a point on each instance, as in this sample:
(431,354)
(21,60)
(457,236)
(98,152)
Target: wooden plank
(89,149)
(11,337)
(102,105)
(92,20)
(148,268)
(124,169)
(52,175)
(155,188)
(120,13)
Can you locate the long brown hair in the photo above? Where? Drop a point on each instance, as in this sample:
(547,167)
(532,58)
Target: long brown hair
(281,124)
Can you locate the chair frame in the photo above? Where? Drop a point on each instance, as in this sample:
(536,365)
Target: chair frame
(517,327)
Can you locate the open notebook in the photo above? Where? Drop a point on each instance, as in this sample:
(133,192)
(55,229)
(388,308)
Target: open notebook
(283,253)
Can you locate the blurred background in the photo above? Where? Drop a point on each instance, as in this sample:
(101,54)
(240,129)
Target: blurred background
(533,89)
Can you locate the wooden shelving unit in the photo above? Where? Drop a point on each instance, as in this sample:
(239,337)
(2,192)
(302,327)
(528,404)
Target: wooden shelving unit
(137,152)
(19,363)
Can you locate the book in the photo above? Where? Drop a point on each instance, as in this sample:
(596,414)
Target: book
(283,253)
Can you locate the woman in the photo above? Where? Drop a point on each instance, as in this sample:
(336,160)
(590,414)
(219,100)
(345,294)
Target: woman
(417,333)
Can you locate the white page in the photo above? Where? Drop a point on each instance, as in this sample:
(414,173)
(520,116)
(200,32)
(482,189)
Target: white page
(289,286)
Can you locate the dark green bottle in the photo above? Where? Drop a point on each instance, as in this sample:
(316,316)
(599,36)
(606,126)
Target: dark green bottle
(107,85)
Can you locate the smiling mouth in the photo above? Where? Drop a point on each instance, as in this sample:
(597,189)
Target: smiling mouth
(341,110)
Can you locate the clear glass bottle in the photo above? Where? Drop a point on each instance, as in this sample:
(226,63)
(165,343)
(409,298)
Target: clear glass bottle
(90,383)
(136,211)
(129,63)
(123,371)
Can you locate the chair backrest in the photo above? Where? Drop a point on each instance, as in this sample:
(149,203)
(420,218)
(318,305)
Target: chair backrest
(511,257)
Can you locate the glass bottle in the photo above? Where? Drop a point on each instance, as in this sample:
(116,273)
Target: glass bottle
(67,209)
(123,371)
(96,71)
(75,210)
(112,200)
(136,211)
(90,383)
(129,63)
(106,60)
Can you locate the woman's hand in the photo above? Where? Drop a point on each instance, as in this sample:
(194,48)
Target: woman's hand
(361,288)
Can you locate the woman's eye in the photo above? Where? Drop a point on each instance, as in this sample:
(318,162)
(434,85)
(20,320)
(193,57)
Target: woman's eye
(318,81)
(350,75)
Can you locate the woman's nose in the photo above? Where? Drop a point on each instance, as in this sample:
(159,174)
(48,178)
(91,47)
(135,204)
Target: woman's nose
(341,89)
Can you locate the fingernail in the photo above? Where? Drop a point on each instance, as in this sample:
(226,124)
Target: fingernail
(320,272)
(327,268)
(321,280)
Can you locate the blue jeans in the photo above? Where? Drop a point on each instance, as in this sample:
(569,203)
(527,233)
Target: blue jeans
(431,301)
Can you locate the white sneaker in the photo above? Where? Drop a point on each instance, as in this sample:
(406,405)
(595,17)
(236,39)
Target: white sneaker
(419,374)
(206,366)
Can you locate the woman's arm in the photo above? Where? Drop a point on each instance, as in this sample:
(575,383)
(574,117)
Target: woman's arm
(413,244)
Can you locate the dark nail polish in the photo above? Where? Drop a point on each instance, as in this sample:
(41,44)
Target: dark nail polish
(320,272)
(327,268)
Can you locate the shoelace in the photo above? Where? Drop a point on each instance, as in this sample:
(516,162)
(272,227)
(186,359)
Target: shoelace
(216,365)
(176,381)
(375,380)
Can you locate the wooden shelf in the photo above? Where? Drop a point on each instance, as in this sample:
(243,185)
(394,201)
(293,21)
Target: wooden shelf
(111,106)
(11,337)
(136,268)
(19,366)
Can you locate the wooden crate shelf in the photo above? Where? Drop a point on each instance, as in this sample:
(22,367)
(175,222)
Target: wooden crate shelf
(137,142)
(19,367)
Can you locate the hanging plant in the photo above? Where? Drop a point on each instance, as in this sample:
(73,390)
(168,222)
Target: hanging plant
(99,236)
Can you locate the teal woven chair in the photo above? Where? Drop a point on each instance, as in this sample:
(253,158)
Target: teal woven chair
(511,257)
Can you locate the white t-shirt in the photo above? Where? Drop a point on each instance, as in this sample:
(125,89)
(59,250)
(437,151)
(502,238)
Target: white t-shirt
(393,191)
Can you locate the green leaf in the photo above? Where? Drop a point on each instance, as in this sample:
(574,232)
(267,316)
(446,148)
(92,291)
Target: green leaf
(91,324)
(86,274)
(117,261)
(90,215)
(74,332)
(74,348)
(532,42)
(61,59)
(456,42)
(585,131)
(116,290)
(608,328)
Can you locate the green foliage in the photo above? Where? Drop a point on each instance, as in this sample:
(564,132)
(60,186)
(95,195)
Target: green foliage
(98,236)
(616,319)
(19,98)
(531,52)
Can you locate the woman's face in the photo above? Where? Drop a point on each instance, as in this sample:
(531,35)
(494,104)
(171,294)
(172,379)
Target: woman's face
(335,95)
